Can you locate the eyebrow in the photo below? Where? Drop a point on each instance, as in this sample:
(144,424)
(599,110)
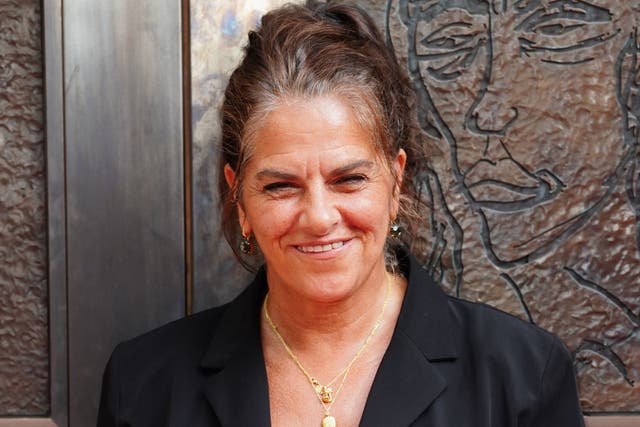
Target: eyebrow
(274,173)
(568,8)
(591,12)
(474,7)
(271,173)
(367,164)
(524,6)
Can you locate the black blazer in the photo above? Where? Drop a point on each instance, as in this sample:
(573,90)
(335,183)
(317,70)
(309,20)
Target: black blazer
(450,363)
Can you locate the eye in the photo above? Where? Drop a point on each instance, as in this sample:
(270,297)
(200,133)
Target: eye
(351,181)
(558,29)
(451,49)
(278,187)
(565,32)
(450,38)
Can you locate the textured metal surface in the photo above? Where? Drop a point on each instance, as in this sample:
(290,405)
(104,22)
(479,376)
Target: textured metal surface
(219,27)
(529,113)
(124,170)
(542,95)
(24,358)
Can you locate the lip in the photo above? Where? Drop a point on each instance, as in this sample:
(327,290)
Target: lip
(506,187)
(322,248)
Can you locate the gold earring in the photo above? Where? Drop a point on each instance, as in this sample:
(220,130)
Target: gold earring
(246,246)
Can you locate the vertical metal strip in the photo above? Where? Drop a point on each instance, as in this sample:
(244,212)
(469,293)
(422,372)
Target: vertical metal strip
(52,21)
(188,166)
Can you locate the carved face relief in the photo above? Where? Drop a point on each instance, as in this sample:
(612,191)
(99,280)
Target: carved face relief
(529,98)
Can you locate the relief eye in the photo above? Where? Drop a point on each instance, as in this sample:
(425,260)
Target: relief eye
(563,13)
(558,29)
(565,28)
(446,43)
(450,50)
(449,39)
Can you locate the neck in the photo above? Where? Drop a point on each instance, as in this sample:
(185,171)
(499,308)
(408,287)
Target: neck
(308,324)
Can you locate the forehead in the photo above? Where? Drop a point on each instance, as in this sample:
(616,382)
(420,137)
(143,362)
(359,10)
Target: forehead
(316,120)
(356,107)
(305,134)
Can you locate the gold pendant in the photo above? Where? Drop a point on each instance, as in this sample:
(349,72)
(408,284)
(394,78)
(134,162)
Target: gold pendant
(328,421)
(325,394)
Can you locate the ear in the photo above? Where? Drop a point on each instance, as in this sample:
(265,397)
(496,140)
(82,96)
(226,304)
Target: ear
(230,177)
(245,227)
(398,164)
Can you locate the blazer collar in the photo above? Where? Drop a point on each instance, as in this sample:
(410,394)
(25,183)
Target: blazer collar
(408,379)
(425,316)
(236,386)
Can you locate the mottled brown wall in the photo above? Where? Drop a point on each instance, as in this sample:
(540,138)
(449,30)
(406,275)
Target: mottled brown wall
(24,379)
(529,112)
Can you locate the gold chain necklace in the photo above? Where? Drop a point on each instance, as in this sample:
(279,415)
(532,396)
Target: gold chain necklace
(325,393)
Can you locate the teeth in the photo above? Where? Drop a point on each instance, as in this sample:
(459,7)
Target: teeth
(321,248)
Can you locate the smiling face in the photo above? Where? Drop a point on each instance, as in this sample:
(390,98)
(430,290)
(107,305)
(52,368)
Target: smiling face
(526,95)
(318,198)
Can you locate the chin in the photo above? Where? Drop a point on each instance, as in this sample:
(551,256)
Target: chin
(329,286)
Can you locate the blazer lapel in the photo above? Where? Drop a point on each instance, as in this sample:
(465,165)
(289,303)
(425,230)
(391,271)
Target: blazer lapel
(408,380)
(405,385)
(237,386)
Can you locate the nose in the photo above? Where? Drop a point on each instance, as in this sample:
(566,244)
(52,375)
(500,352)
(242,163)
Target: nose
(492,111)
(320,213)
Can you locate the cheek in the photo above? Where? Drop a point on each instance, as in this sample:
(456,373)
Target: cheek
(578,123)
(370,213)
(271,219)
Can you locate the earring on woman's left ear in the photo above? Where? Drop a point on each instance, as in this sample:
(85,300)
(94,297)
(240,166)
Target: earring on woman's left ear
(395,230)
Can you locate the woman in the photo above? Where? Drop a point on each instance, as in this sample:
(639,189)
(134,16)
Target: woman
(341,326)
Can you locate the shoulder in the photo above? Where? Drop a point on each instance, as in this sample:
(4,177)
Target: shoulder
(179,348)
(494,329)
(187,334)
(521,357)
(530,368)
(175,347)
(465,328)
(147,375)
(506,348)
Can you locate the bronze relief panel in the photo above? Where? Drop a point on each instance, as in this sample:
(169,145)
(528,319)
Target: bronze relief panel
(529,112)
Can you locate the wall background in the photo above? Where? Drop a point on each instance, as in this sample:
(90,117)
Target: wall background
(529,113)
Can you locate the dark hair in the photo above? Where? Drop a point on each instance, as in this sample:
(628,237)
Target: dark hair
(308,51)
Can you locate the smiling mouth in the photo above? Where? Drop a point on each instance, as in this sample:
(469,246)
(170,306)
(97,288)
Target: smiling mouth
(321,248)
